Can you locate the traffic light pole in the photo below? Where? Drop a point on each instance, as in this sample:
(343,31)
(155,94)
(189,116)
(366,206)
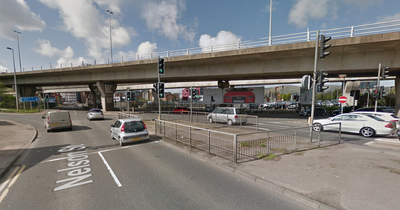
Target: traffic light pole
(314,79)
(191,104)
(378,86)
(127,90)
(158,93)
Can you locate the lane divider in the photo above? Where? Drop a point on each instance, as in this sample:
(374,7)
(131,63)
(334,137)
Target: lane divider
(110,170)
(12,181)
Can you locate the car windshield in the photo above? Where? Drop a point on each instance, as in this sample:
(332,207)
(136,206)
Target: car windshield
(134,126)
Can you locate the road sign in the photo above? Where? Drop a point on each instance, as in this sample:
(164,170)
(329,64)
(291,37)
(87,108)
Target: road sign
(342,99)
(29,99)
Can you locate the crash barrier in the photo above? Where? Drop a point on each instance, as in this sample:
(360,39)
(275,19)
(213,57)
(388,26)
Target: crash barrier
(247,146)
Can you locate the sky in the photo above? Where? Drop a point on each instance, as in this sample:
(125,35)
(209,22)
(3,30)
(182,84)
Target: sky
(61,32)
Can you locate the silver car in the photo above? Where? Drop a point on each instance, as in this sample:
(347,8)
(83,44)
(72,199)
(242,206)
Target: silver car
(93,114)
(229,115)
(129,130)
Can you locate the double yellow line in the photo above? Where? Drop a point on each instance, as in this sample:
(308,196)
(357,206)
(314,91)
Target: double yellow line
(10,181)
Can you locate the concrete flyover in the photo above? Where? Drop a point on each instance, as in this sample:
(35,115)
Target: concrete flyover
(354,56)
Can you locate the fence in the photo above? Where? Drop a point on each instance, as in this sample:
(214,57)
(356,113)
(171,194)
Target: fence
(247,146)
(351,31)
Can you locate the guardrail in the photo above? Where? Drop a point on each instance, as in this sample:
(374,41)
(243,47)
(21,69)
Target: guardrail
(246,146)
(351,31)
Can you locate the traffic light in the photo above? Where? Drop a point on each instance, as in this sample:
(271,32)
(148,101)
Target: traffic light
(46,97)
(321,81)
(356,94)
(375,94)
(161,65)
(384,92)
(212,99)
(128,96)
(352,93)
(193,93)
(155,89)
(161,90)
(384,72)
(323,46)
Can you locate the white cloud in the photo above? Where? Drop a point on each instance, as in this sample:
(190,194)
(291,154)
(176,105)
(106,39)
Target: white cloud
(389,18)
(16,15)
(146,48)
(304,10)
(84,21)
(65,56)
(225,40)
(3,69)
(164,17)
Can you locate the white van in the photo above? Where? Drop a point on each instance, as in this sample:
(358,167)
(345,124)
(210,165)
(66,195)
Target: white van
(57,120)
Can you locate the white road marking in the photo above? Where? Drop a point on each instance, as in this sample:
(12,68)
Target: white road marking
(8,179)
(110,170)
(11,183)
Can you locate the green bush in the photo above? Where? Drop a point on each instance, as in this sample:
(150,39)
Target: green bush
(8,102)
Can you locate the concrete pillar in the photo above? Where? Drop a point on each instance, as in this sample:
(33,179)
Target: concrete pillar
(26,91)
(397,89)
(107,95)
(350,85)
(94,95)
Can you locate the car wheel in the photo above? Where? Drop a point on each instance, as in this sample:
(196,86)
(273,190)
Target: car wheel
(120,142)
(210,120)
(317,127)
(230,122)
(367,132)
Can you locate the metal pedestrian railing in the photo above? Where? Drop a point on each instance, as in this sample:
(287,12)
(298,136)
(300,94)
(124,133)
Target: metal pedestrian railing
(351,31)
(247,146)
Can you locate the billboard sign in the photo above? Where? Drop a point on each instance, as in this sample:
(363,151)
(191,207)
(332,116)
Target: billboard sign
(248,95)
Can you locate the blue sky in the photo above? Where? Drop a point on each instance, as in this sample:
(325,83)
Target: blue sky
(65,31)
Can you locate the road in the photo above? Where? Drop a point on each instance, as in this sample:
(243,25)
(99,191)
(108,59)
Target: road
(85,169)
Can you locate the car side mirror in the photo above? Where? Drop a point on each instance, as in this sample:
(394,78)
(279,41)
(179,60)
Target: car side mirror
(112,125)
(43,117)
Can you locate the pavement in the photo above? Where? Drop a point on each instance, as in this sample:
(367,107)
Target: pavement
(344,176)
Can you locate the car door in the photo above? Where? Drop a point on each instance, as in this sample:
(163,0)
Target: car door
(338,119)
(354,123)
(223,115)
(115,129)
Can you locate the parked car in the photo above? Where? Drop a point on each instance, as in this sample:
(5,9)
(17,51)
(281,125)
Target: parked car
(210,108)
(229,115)
(94,114)
(129,130)
(346,109)
(378,109)
(366,125)
(239,95)
(57,120)
(180,110)
(317,111)
(385,116)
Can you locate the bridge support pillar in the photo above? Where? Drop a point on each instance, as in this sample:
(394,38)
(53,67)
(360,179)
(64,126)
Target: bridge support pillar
(107,95)
(397,89)
(26,91)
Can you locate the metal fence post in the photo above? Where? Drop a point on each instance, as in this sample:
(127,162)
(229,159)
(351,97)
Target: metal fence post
(190,137)
(319,137)
(164,130)
(268,149)
(235,148)
(209,141)
(340,132)
(155,127)
(256,123)
(176,132)
(295,139)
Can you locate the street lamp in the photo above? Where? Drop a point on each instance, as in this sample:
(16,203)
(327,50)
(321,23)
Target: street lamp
(19,53)
(270,22)
(110,35)
(15,78)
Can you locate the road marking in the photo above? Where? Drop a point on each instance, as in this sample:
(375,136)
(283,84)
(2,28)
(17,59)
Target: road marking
(110,170)
(8,179)
(11,183)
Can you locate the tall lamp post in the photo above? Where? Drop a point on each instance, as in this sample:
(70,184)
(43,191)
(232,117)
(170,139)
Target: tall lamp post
(19,52)
(15,79)
(270,23)
(110,13)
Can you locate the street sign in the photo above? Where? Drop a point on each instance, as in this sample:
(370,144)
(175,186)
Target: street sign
(29,99)
(342,99)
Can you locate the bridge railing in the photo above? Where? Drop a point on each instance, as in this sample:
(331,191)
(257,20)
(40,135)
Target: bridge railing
(351,31)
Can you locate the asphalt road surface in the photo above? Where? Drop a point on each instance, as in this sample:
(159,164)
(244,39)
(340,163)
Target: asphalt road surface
(85,169)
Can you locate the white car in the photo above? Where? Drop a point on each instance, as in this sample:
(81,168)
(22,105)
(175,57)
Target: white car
(385,116)
(366,125)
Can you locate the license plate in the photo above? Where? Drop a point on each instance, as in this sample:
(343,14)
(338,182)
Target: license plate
(136,139)
(238,101)
(54,124)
